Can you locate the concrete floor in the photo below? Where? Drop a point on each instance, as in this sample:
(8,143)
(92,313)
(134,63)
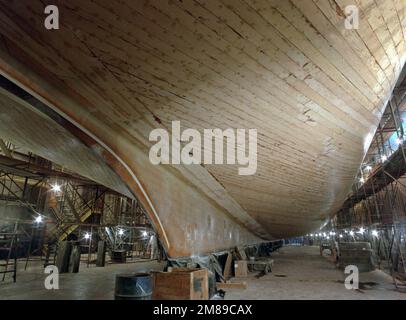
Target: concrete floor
(301,273)
(91,283)
(298,273)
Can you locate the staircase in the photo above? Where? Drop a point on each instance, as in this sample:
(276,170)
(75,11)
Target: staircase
(70,209)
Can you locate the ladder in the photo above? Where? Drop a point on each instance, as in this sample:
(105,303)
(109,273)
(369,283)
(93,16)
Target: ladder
(50,253)
(11,239)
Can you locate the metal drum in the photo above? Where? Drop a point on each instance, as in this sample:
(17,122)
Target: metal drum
(133,286)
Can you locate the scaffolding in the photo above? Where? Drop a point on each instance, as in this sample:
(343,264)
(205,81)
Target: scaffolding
(10,240)
(48,205)
(378,198)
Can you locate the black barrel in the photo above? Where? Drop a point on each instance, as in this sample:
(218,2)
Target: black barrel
(133,286)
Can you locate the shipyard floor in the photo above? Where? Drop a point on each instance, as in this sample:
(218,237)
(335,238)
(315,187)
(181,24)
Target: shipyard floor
(298,273)
(93,283)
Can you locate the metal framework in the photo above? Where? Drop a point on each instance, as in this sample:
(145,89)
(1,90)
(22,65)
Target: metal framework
(42,204)
(378,197)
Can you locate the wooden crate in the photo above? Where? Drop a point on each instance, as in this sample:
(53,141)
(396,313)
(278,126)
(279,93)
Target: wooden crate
(240,268)
(181,284)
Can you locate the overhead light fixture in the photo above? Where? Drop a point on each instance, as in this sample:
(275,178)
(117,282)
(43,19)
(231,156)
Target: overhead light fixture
(361,230)
(375,233)
(120,232)
(351,233)
(368,168)
(38,219)
(56,187)
(328,237)
(144,233)
(311,234)
(341,235)
(362,180)
(384,158)
(87,235)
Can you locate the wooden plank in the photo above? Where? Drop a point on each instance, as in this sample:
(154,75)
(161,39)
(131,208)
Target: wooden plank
(227,273)
(241,252)
(241,268)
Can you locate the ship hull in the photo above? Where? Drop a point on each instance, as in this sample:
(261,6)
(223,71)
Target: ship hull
(292,70)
